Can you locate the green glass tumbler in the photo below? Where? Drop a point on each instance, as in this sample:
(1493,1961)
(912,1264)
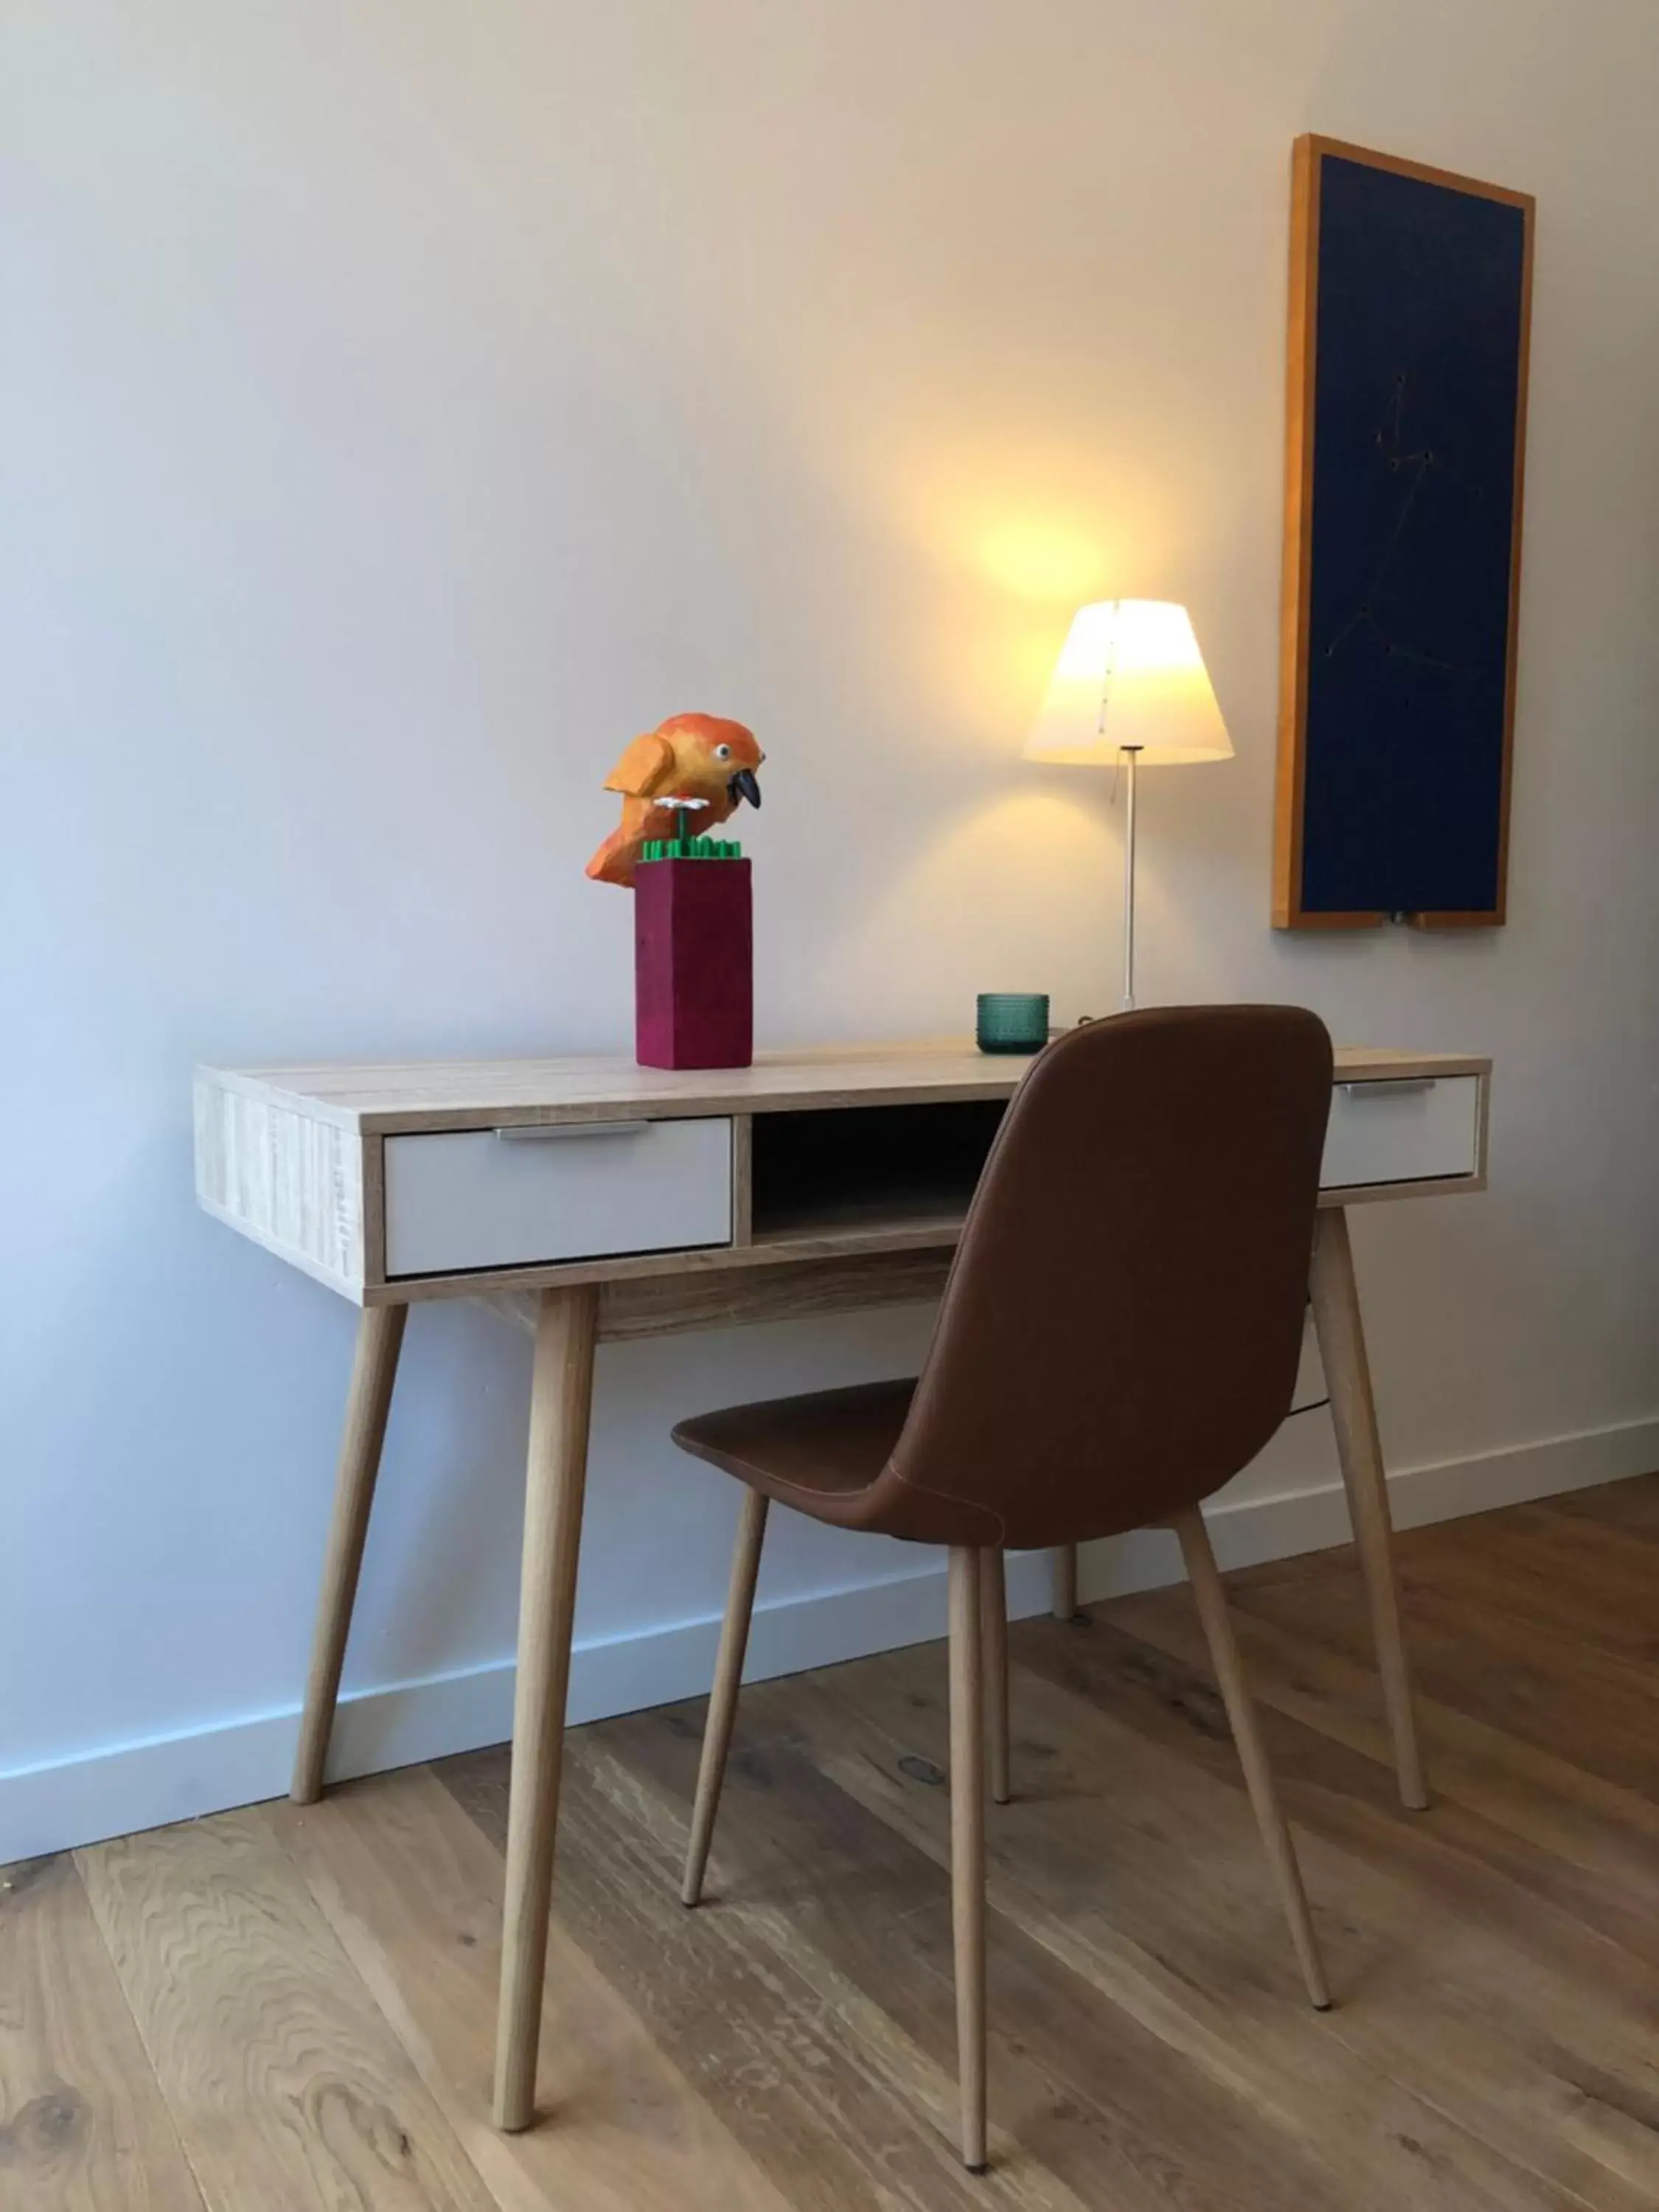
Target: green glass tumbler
(1012,1021)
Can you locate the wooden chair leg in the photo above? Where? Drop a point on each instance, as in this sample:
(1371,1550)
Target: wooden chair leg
(1252,1753)
(994,1609)
(1063,1566)
(1354,1412)
(373,1372)
(561,1402)
(723,1702)
(968,1843)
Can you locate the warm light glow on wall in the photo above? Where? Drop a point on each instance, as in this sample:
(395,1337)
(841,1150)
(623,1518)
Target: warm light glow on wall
(1017,527)
(1039,561)
(1039,518)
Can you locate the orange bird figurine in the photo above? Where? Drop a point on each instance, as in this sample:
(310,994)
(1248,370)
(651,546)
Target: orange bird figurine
(697,762)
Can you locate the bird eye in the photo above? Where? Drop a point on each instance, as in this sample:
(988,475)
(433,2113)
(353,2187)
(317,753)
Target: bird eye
(722,752)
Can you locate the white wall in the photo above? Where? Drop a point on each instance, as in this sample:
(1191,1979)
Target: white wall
(403,403)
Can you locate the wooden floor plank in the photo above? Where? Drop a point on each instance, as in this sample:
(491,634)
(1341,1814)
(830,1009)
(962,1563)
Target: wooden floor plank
(1539,1685)
(805,1870)
(845,2109)
(1523,1987)
(413,1890)
(1567,1573)
(1632,1506)
(83,2127)
(1112,1838)
(1477,1866)
(1608,1833)
(288,2010)
(288,2090)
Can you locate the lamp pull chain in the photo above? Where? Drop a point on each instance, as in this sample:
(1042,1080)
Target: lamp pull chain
(1128,756)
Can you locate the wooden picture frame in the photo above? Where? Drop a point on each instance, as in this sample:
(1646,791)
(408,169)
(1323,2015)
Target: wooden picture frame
(1488,854)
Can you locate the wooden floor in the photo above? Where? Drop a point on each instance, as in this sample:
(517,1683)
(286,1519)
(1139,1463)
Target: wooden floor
(274,2008)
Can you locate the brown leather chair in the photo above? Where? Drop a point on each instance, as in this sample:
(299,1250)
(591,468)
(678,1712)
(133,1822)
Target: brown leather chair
(1119,1336)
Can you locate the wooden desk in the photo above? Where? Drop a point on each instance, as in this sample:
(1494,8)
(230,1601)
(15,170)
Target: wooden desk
(635,1201)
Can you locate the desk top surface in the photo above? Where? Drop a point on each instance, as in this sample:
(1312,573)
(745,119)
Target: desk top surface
(402,1096)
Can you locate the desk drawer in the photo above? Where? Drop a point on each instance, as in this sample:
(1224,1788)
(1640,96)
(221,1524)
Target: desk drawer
(531,1196)
(1402,1131)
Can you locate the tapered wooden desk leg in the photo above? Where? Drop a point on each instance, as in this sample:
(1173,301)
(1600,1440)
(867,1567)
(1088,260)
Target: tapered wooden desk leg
(968,1843)
(1353,1414)
(374,1370)
(560,1403)
(1063,1565)
(993,1606)
(1252,1751)
(723,1703)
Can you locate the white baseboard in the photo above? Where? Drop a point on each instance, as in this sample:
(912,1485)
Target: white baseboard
(62,1803)
(1249,1530)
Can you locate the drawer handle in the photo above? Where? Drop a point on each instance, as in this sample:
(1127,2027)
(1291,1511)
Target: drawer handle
(547,1132)
(1389,1087)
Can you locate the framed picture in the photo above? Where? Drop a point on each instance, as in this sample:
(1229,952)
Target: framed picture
(1411,293)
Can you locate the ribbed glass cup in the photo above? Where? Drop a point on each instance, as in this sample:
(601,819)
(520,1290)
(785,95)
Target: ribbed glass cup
(1012,1021)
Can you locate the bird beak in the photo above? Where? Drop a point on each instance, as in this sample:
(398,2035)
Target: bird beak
(745,784)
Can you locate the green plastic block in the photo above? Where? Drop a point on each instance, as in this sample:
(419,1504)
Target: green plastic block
(690,848)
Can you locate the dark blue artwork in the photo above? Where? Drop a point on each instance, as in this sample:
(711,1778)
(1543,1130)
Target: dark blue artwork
(1417,392)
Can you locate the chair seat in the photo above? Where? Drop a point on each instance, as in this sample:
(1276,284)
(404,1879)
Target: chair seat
(820,1452)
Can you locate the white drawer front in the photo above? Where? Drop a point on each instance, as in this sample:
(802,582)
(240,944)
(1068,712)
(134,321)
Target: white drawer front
(483,1198)
(1394,1131)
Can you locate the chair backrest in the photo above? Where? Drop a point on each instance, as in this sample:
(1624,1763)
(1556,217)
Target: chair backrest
(1120,1331)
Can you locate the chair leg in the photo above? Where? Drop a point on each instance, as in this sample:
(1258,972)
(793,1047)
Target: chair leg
(723,1703)
(968,1843)
(993,1608)
(1063,1566)
(1252,1753)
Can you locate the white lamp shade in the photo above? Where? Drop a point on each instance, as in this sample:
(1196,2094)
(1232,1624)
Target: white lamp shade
(1129,676)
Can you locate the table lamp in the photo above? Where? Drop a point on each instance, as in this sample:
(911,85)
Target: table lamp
(1129,688)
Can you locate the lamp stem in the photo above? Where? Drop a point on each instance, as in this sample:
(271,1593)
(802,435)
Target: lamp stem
(1129,753)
